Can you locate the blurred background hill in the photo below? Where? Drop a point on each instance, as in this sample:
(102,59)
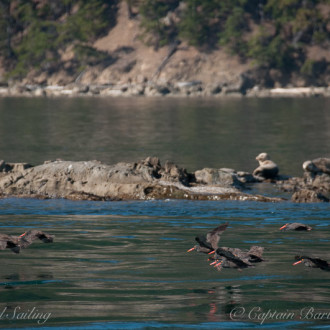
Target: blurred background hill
(275,43)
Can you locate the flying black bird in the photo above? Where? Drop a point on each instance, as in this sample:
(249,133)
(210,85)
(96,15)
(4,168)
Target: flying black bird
(16,243)
(209,243)
(226,257)
(296,226)
(313,262)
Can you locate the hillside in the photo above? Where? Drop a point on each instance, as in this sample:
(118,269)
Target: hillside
(125,58)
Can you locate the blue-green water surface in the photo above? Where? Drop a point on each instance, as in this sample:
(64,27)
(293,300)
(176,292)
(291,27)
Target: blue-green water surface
(124,265)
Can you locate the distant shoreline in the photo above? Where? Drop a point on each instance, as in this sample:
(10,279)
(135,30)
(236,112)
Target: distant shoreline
(180,89)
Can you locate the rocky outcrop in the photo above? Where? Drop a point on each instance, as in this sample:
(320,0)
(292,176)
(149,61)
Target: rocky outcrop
(146,179)
(63,179)
(314,186)
(308,196)
(149,179)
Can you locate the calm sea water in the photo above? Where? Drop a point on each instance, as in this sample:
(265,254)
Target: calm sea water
(124,265)
(119,265)
(193,133)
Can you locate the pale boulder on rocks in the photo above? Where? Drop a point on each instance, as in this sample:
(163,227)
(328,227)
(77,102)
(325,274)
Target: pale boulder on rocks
(218,177)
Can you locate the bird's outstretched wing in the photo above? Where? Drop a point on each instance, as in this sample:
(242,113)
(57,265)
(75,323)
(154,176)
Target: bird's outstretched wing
(255,253)
(9,242)
(3,241)
(204,245)
(302,227)
(323,264)
(213,236)
(28,237)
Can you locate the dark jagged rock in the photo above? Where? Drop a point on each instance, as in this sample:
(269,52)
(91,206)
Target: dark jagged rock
(172,172)
(308,196)
(13,167)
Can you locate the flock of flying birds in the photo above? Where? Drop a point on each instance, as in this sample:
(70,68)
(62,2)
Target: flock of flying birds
(226,257)
(221,257)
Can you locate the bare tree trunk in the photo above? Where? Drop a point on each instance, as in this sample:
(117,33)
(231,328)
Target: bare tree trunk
(173,48)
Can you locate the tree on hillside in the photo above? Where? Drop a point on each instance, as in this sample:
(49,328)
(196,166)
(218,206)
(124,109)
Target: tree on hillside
(157,26)
(38,31)
(7,29)
(292,25)
(275,33)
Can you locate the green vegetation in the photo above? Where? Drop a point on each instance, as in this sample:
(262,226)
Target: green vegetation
(158,32)
(274,33)
(34,34)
